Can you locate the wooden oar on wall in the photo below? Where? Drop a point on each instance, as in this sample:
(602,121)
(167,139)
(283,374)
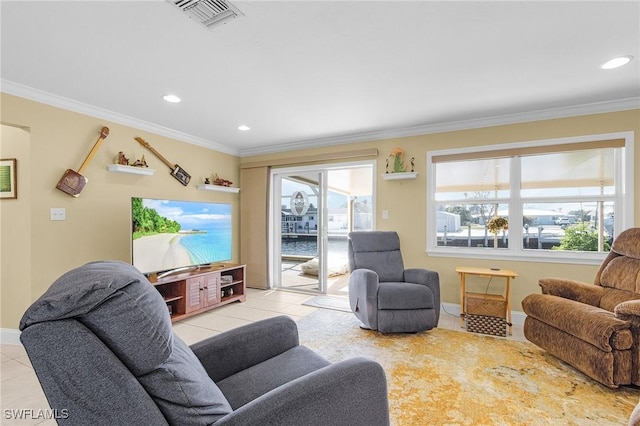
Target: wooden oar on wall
(73,182)
(176,171)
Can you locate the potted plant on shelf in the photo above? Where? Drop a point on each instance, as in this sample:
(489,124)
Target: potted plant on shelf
(495,225)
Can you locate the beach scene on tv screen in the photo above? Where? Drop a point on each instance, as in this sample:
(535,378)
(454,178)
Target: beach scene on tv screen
(169,234)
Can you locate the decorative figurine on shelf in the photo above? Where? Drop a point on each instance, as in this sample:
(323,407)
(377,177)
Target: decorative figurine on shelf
(140,163)
(121,159)
(207,181)
(217,180)
(387,166)
(413,164)
(397,156)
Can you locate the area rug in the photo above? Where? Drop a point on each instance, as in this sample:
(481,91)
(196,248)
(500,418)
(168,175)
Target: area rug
(329,302)
(446,377)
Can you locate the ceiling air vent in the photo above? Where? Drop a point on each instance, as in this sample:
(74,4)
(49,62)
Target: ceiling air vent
(210,13)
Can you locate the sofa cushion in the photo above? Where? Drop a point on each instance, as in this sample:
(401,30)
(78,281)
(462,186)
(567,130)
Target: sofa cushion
(183,390)
(622,273)
(117,303)
(255,381)
(387,264)
(612,297)
(401,295)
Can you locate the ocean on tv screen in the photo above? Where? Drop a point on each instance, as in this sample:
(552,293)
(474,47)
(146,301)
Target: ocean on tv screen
(204,234)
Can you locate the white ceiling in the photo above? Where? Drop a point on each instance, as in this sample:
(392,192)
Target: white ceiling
(313,73)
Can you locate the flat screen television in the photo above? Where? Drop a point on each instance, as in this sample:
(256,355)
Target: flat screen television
(169,235)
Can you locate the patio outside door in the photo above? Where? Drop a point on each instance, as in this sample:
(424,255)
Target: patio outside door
(312,212)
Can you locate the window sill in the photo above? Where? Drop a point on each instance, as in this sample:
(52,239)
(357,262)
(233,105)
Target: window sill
(542,256)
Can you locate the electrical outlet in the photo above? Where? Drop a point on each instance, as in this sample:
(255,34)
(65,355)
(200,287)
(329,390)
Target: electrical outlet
(58,213)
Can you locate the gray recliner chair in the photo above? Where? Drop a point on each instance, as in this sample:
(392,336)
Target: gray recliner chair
(101,342)
(385,296)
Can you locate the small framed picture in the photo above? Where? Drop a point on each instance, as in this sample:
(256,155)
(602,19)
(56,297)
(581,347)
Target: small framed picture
(8,178)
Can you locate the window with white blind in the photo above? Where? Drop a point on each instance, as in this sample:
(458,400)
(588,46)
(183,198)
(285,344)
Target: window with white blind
(553,200)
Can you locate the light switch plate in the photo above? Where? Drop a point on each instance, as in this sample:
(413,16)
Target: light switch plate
(58,213)
(385,214)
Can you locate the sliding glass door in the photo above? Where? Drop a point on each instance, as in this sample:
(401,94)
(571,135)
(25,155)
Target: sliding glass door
(298,226)
(312,211)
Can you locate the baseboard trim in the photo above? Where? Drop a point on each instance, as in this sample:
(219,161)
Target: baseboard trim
(9,336)
(517,317)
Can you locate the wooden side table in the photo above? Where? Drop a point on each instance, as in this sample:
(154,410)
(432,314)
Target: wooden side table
(485,272)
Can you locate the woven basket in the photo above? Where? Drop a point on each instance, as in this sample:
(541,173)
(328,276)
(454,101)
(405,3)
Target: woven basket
(490,305)
(486,325)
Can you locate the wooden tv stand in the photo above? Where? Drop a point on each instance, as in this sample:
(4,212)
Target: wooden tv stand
(191,293)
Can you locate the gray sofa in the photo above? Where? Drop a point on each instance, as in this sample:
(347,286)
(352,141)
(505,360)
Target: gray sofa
(102,345)
(384,295)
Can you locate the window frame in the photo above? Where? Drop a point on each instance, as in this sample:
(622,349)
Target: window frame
(623,198)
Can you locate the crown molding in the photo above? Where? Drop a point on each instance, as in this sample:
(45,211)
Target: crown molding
(22,91)
(30,93)
(476,123)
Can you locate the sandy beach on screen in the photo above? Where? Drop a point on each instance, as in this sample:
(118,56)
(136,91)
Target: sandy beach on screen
(161,249)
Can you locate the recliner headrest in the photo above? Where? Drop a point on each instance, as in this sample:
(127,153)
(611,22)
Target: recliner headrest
(627,243)
(117,303)
(375,241)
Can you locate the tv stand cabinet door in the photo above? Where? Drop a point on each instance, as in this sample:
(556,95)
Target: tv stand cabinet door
(212,289)
(195,288)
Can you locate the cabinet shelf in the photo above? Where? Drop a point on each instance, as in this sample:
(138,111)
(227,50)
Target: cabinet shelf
(223,285)
(121,168)
(398,176)
(171,299)
(209,187)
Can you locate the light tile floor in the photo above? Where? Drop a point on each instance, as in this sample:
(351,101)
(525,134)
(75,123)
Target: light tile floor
(20,389)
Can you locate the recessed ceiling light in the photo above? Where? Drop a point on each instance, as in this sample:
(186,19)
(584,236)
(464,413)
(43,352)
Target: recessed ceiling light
(616,62)
(244,128)
(171,98)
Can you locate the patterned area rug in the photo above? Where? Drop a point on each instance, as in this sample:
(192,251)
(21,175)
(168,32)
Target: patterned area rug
(446,377)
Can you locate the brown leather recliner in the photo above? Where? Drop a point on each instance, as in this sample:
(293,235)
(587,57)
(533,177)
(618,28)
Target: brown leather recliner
(593,327)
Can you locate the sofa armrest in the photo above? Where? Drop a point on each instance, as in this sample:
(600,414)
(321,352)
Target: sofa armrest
(235,350)
(351,392)
(428,278)
(629,311)
(365,281)
(363,296)
(573,290)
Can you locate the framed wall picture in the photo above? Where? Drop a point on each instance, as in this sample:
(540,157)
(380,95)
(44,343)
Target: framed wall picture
(8,178)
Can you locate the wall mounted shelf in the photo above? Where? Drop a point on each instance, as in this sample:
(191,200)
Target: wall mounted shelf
(397,176)
(207,187)
(120,168)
